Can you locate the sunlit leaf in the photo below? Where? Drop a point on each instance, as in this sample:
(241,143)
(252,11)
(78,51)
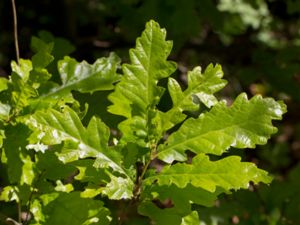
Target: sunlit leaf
(244,124)
(138,93)
(228,173)
(52,127)
(201,86)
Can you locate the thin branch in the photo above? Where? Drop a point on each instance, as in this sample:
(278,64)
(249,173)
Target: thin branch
(19,212)
(15,30)
(137,188)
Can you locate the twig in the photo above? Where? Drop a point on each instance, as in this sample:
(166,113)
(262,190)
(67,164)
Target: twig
(15,29)
(19,212)
(137,188)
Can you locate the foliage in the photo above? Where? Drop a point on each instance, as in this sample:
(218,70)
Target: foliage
(56,163)
(276,206)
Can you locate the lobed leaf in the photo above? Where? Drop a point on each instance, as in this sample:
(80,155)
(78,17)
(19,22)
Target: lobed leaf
(244,124)
(84,77)
(81,77)
(191,219)
(20,90)
(228,173)
(52,127)
(18,163)
(118,188)
(161,216)
(69,208)
(138,93)
(201,86)
(102,182)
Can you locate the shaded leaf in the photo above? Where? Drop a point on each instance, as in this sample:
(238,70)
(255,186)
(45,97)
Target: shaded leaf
(15,152)
(161,216)
(3,83)
(84,77)
(62,208)
(182,196)
(51,167)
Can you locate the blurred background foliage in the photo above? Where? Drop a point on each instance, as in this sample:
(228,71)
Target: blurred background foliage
(256,41)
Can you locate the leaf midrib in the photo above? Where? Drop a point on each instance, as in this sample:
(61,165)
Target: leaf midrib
(198,136)
(80,141)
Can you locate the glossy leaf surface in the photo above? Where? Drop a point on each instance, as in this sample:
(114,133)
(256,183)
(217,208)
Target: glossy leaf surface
(244,124)
(82,77)
(201,86)
(137,94)
(53,127)
(228,173)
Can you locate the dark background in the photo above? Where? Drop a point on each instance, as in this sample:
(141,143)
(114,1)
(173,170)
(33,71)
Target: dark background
(256,41)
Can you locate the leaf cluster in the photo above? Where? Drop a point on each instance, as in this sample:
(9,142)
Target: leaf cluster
(155,168)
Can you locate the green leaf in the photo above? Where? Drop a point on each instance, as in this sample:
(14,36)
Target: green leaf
(84,77)
(119,188)
(201,86)
(228,173)
(116,187)
(191,219)
(37,45)
(161,216)
(52,127)
(181,196)
(244,124)
(43,56)
(173,203)
(3,84)
(4,111)
(9,194)
(18,164)
(61,46)
(52,168)
(22,69)
(138,93)
(76,76)
(87,173)
(63,187)
(20,92)
(27,170)
(18,193)
(62,208)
